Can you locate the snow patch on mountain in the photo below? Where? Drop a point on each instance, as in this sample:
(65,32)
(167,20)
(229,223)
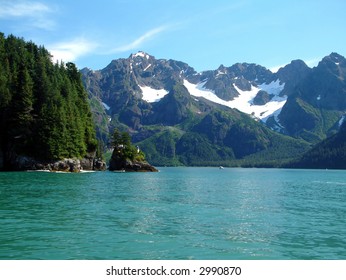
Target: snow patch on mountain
(152,95)
(198,90)
(275,87)
(105,106)
(244,102)
(146,68)
(219,73)
(141,54)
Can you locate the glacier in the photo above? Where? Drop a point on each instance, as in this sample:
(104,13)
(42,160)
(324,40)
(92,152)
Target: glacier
(244,102)
(152,95)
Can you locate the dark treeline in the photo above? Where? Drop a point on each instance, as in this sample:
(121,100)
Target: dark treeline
(330,153)
(44,109)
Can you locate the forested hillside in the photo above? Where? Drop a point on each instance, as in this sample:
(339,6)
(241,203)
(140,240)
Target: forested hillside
(44,111)
(330,153)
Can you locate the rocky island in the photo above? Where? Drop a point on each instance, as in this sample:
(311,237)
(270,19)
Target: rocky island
(127,157)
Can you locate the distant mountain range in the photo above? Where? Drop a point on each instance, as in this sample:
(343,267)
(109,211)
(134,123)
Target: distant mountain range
(238,115)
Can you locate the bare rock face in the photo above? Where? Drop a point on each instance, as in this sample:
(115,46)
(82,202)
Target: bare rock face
(262,98)
(92,163)
(99,164)
(22,163)
(130,166)
(66,165)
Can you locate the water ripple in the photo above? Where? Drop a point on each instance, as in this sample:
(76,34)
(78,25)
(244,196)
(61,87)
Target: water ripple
(178,213)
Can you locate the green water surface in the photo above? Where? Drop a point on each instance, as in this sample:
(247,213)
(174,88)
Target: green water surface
(178,213)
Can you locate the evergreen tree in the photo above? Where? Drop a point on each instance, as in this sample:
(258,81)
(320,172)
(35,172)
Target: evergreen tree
(116,139)
(43,106)
(123,148)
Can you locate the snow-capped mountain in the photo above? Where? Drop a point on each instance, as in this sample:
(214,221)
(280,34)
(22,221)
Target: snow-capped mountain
(249,88)
(141,91)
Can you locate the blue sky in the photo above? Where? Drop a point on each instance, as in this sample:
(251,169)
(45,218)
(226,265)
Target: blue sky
(203,33)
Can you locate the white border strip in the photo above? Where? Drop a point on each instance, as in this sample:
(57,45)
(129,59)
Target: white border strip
(249,270)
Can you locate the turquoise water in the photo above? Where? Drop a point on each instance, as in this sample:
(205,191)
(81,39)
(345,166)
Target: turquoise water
(178,213)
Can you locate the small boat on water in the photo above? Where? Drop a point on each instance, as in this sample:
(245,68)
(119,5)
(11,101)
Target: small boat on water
(221,167)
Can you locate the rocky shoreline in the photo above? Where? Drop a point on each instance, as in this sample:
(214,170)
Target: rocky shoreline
(74,165)
(25,163)
(130,166)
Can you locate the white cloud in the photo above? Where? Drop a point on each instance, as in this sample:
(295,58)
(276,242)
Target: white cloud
(37,13)
(72,50)
(76,48)
(22,9)
(139,41)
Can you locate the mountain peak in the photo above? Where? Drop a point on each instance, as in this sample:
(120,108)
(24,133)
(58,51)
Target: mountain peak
(296,70)
(334,57)
(298,63)
(140,54)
